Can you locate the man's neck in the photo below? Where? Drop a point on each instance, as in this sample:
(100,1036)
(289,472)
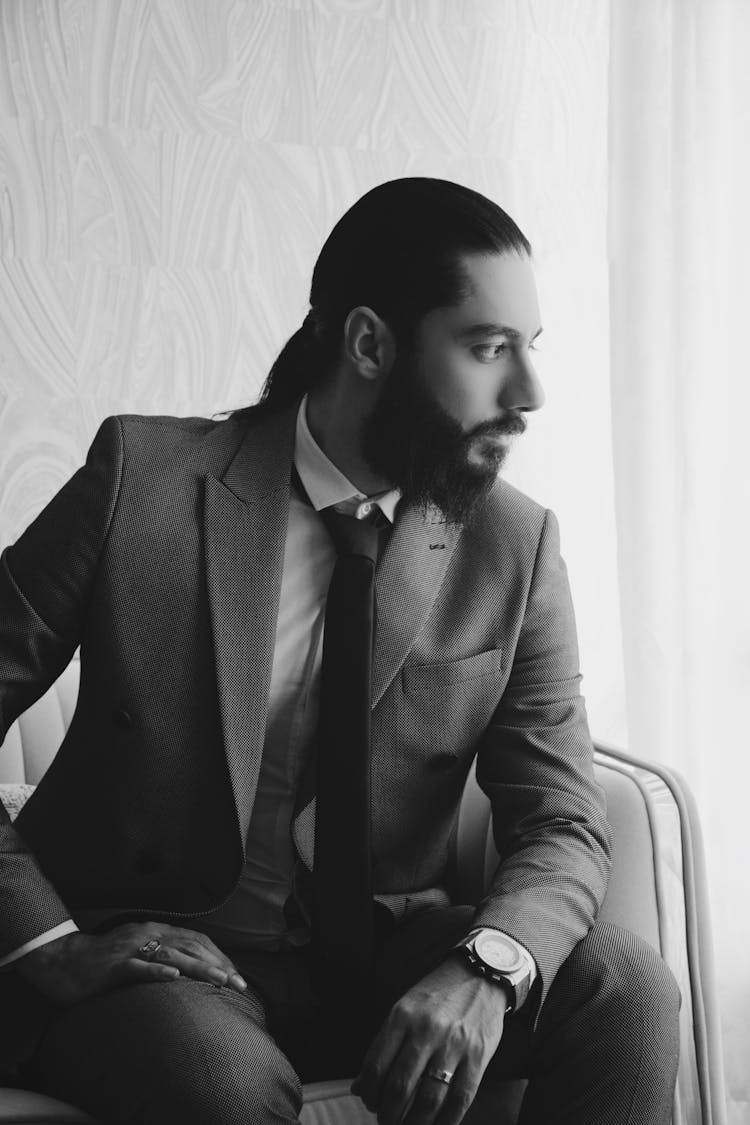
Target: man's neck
(337,423)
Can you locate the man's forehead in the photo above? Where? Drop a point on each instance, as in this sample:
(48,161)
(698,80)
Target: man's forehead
(502,292)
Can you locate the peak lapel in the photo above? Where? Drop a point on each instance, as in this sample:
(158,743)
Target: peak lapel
(245,522)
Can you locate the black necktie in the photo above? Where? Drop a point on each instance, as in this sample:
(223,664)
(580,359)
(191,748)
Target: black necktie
(342,879)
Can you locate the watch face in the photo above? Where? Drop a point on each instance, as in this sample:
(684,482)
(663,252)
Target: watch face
(497,952)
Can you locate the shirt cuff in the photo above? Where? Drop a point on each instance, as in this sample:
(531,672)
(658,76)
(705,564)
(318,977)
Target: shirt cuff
(68,927)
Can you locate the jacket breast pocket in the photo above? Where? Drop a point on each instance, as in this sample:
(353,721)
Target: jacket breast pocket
(419,678)
(445,707)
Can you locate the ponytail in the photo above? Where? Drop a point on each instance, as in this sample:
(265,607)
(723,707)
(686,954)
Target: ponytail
(294,371)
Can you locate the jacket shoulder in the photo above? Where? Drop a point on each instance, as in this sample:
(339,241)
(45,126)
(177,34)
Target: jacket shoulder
(507,532)
(516,505)
(194,442)
(512,516)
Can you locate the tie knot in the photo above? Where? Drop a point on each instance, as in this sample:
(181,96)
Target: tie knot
(350,535)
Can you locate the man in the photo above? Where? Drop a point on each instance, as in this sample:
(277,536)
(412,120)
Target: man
(179,940)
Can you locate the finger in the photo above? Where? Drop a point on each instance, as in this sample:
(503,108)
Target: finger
(195,943)
(233,978)
(134,970)
(206,943)
(429,1097)
(201,947)
(225,972)
(382,1052)
(460,1094)
(436,1083)
(403,1083)
(194,967)
(236,981)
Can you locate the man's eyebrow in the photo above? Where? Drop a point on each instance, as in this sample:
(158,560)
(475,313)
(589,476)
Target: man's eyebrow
(492,329)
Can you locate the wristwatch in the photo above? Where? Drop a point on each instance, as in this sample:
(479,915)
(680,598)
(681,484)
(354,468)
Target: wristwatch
(493,955)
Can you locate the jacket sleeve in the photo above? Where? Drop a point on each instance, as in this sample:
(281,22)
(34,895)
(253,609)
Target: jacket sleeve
(535,763)
(46,579)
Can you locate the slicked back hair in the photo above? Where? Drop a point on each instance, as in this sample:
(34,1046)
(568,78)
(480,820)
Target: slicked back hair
(398,251)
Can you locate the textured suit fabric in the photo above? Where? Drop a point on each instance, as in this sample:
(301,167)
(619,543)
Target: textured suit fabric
(605,1049)
(162,558)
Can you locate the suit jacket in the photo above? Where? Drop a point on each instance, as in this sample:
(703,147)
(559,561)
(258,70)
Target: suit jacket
(162,559)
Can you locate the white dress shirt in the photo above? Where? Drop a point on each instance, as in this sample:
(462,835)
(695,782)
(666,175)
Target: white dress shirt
(254,915)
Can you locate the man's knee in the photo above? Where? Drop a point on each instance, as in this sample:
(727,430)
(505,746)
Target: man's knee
(629,979)
(183,1052)
(253,1083)
(222,1068)
(607,1043)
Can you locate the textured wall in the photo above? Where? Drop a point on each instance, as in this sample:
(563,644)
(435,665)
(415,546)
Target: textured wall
(169,169)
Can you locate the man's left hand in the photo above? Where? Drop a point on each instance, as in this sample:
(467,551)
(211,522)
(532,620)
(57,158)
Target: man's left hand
(452,1020)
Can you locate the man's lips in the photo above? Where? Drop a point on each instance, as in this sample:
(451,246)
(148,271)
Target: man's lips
(502,429)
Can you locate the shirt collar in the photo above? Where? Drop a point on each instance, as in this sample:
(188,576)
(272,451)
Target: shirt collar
(325,484)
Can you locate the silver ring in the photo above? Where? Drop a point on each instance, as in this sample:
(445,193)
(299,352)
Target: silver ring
(150,949)
(445,1076)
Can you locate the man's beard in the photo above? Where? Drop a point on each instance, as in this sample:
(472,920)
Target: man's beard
(413,442)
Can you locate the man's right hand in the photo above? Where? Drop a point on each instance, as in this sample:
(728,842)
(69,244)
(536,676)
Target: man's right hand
(76,966)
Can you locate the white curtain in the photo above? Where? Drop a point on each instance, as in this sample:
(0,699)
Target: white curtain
(679,232)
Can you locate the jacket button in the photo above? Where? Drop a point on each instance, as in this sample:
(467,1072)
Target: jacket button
(442,763)
(122,719)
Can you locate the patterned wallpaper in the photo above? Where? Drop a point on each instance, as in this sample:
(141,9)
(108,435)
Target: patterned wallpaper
(170,168)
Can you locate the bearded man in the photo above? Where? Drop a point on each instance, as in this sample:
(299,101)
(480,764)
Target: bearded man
(299,627)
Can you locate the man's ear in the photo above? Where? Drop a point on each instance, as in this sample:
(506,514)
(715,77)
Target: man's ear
(369,343)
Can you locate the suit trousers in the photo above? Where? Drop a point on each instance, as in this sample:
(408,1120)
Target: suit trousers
(604,1048)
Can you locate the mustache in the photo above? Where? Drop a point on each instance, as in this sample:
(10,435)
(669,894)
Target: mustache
(512,422)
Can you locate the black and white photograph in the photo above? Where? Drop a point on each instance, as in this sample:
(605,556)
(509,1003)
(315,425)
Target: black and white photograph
(374,540)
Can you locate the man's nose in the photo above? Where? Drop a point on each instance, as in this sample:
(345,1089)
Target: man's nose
(522,389)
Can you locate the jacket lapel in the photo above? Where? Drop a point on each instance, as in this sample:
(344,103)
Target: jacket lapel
(407,584)
(245,522)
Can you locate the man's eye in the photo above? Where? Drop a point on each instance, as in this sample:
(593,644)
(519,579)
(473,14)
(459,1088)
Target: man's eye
(488,352)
